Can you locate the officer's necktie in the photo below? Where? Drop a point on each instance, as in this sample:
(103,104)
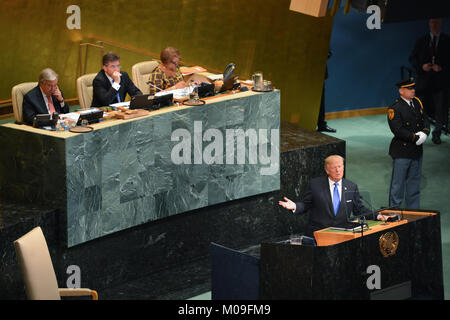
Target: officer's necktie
(117,95)
(336,199)
(433,45)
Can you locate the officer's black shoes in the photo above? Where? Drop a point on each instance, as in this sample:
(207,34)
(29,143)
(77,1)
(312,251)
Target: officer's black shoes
(436,139)
(446,131)
(326,128)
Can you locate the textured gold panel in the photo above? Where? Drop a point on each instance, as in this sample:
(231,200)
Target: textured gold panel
(290,48)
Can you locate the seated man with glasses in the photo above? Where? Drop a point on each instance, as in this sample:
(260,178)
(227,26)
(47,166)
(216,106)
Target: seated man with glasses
(111,85)
(45,98)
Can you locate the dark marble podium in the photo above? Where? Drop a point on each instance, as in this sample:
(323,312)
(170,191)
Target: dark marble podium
(346,269)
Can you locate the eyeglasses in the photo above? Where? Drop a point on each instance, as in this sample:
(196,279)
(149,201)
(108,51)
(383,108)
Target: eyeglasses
(113,66)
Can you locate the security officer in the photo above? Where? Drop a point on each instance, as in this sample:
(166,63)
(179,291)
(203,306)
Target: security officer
(410,127)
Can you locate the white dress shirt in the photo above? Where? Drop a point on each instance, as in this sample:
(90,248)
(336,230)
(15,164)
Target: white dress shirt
(115,85)
(407,101)
(331,184)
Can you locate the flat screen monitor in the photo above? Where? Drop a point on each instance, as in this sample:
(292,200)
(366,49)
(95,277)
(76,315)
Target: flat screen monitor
(151,102)
(92,115)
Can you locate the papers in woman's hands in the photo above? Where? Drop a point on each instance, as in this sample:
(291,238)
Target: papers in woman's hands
(177,93)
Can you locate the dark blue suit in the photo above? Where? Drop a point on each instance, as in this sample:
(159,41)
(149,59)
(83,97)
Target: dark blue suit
(34,103)
(104,94)
(317,199)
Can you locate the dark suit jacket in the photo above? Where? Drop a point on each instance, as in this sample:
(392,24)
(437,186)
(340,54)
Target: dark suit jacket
(317,199)
(422,54)
(404,122)
(104,94)
(33,104)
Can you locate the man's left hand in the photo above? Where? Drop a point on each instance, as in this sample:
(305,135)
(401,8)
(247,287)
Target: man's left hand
(436,67)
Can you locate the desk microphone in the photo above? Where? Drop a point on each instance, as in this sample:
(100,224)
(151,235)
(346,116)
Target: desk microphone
(149,83)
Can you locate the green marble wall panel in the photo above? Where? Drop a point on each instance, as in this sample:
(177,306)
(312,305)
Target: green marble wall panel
(124,175)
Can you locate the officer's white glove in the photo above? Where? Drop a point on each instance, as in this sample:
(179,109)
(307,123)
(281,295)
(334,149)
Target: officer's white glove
(422,137)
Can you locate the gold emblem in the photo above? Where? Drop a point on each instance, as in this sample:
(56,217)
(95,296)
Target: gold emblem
(391,114)
(388,243)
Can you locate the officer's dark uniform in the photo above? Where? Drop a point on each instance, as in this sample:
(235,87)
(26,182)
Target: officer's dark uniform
(405,121)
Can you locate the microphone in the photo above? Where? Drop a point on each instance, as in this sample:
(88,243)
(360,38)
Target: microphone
(149,83)
(391,217)
(367,206)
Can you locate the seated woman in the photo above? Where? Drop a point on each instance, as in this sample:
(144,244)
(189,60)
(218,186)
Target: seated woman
(167,75)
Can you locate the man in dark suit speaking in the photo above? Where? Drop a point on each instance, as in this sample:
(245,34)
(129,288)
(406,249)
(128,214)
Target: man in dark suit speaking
(329,199)
(111,85)
(45,98)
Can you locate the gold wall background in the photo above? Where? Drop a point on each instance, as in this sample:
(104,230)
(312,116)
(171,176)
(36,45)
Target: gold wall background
(290,48)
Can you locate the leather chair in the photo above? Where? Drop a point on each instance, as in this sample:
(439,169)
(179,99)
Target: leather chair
(141,73)
(17,93)
(85,90)
(37,269)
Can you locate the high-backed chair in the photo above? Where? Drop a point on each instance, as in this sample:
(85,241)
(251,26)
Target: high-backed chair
(141,72)
(37,269)
(85,90)
(17,93)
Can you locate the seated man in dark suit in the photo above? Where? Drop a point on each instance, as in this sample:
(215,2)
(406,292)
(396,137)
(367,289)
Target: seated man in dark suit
(46,98)
(323,199)
(112,85)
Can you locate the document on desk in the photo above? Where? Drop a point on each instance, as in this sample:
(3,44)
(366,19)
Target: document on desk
(190,70)
(72,116)
(215,77)
(177,93)
(121,104)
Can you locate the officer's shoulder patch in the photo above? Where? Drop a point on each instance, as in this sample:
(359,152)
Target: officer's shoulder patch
(391,113)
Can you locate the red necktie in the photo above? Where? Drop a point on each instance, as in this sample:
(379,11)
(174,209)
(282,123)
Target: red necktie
(50,104)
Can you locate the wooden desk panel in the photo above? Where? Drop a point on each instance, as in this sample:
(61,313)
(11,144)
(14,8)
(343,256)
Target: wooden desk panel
(327,237)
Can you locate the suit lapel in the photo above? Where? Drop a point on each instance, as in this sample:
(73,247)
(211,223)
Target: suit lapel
(40,101)
(327,196)
(343,205)
(105,77)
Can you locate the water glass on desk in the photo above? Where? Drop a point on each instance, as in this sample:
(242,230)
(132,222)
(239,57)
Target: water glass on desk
(258,79)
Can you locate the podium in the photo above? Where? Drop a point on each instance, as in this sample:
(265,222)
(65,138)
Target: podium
(398,260)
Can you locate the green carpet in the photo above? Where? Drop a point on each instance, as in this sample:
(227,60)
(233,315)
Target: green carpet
(369,165)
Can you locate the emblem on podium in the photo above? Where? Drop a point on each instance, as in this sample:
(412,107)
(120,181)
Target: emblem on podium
(388,243)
